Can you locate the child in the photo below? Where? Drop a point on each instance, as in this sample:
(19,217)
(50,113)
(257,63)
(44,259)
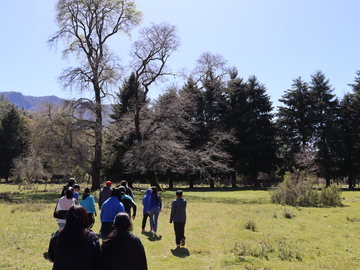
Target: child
(88,202)
(178,216)
(76,193)
(145,203)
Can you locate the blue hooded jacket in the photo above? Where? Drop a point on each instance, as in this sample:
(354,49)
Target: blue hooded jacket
(146,201)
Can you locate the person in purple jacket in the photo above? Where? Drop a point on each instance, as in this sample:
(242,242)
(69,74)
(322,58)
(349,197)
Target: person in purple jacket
(145,202)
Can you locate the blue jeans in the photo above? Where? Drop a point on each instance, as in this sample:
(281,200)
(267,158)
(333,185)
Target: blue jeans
(154,216)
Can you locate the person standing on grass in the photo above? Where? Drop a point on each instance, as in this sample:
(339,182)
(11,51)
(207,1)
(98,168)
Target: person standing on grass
(122,249)
(128,202)
(145,203)
(63,205)
(70,183)
(154,209)
(178,216)
(75,247)
(88,202)
(110,208)
(128,189)
(105,193)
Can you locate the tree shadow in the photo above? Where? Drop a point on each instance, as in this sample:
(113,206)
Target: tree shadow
(180,252)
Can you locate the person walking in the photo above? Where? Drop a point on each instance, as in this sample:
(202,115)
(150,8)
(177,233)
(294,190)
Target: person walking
(75,247)
(76,192)
(122,249)
(178,216)
(70,183)
(88,202)
(154,209)
(105,193)
(128,189)
(145,203)
(128,202)
(63,205)
(110,208)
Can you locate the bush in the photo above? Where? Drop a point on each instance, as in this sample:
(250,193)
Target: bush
(298,190)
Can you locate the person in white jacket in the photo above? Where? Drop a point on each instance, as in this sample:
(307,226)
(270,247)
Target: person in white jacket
(63,206)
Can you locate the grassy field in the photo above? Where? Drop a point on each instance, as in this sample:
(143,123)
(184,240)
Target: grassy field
(226,229)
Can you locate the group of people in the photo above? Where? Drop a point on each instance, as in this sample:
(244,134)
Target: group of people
(120,248)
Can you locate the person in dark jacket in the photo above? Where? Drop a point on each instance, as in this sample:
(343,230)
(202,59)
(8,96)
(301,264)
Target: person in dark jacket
(122,249)
(105,193)
(178,216)
(128,202)
(70,183)
(75,247)
(128,189)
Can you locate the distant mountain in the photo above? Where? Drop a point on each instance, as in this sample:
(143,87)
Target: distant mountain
(29,103)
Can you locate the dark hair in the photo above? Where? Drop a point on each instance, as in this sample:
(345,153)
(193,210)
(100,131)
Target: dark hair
(75,228)
(122,189)
(123,183)
(69,193)
(87,190)
(71,182)
(179,192)
(76,186)
(154,191)
(122,222)
(116,192)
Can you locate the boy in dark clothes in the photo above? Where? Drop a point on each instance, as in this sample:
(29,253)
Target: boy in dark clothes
(178,216)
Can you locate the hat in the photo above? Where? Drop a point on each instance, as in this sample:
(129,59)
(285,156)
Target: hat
(108,183)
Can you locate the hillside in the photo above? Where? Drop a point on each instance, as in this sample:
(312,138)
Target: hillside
(29,103)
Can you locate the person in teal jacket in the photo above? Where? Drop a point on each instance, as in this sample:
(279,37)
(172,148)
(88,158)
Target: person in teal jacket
(88,202)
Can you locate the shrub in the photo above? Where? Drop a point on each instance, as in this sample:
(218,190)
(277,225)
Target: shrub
(250,225)
(298,190)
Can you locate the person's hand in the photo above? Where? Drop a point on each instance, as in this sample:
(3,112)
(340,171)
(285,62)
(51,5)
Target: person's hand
(133,217)
(95,214)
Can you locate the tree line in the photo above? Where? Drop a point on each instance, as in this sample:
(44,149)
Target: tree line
(218,128)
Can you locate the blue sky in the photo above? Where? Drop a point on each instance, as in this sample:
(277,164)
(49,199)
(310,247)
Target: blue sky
(275,40)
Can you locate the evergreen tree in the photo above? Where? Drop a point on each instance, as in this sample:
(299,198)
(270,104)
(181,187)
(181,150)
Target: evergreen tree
(13,140)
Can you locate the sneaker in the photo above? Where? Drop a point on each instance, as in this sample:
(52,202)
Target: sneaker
(182,242)
(142,230)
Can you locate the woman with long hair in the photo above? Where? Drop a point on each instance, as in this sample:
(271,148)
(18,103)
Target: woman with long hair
(75,246)
(154,209)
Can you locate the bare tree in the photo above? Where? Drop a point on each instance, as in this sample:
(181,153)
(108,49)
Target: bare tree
(86,26)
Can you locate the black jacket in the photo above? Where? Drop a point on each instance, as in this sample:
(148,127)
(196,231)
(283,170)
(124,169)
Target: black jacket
(123,250)
(86,257)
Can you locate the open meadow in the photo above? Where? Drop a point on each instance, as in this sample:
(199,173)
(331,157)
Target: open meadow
(226,229)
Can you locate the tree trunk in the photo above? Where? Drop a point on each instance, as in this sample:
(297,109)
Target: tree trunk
(151,176)
(233,179)
(96,165)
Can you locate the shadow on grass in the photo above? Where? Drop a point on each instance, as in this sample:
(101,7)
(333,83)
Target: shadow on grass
(151,237)
(180,252)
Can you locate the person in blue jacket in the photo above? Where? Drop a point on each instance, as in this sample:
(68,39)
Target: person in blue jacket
(110,208)
(154,209)
(88,202)
(145,202)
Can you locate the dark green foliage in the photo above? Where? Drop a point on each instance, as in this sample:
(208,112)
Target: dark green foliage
(13,140)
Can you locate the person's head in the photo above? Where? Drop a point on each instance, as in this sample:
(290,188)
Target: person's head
(77,218)
(69,193)
(116,192)
(123,222)
(154,190)
(87,190)
(123,183)
(179,193)
(148,191)
(122,189)
(108,183)
(71,182)
(76,187)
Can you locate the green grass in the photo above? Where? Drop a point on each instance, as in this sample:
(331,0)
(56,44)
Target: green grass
(226,229)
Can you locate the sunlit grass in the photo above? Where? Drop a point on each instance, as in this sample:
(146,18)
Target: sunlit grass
(217,238)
